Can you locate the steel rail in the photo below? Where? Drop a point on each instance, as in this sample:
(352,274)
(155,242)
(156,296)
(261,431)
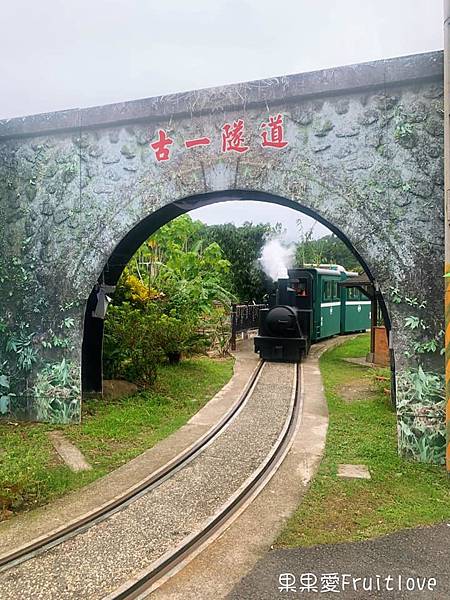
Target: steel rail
(147,581)
(79,525)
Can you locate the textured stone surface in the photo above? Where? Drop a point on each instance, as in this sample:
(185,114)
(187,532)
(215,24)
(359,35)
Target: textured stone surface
(364,156)
(353,471)
(70,454)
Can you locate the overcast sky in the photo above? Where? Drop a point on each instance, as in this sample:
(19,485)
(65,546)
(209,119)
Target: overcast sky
(57,54)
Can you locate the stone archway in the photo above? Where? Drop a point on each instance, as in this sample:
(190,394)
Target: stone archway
(93,328)
(359,146)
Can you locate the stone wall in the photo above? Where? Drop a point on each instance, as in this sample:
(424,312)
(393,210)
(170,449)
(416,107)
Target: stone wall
(364,153)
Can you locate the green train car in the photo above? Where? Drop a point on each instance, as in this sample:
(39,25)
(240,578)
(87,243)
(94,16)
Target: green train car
(356,309)
(336,309)
(310,305)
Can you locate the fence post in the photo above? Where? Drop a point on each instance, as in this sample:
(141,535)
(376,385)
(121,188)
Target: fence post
(233,327)
(246,321)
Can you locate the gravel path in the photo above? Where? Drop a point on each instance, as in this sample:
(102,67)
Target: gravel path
(98,561)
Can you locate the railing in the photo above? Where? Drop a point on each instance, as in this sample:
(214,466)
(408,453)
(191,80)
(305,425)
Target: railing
(243,318)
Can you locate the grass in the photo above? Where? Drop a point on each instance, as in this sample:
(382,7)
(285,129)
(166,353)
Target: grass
(111,433)
(400,494)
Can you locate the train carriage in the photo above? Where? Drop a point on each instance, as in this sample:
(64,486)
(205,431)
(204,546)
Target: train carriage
(326,302)
(356,310)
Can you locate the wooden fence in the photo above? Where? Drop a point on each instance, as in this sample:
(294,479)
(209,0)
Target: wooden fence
(243,318)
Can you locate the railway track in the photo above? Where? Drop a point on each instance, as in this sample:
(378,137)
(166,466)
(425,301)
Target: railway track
(147,580)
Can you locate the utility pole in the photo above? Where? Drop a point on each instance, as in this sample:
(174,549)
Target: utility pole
(447,215)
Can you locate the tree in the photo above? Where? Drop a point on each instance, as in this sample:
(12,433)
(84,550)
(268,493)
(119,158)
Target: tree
(242,248)
(173,281)
(178,264)
(328,249)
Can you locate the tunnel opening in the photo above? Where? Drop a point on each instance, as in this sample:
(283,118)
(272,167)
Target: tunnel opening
(92,346)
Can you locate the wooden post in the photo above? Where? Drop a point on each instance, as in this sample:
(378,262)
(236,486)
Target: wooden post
(233,327)
(373,324)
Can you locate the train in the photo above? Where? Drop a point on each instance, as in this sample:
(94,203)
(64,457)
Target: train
(310,305)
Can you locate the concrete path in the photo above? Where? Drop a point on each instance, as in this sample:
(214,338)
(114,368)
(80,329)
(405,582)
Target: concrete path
(25,527)
(241,565)
(411,564)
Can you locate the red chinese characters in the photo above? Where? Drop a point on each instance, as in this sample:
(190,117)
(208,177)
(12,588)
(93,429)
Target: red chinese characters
(273,133)
(233,137)
(204,141)
(161,146)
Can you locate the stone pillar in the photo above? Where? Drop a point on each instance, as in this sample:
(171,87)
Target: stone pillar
(41,316)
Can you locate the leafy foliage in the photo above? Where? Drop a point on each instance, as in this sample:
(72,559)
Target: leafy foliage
(242,247)
(174,281)
(176,336)
(130,347)
(176,265)
(328,249)
(56,393)
(4,394)
(27,362)
(216,327)
(420,392)
(421,404)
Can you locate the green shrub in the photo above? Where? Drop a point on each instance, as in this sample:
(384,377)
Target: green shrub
(176,336)
(131,347)
(217,327)
(137,339)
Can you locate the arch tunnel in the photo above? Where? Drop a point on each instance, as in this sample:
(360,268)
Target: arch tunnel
(92,347)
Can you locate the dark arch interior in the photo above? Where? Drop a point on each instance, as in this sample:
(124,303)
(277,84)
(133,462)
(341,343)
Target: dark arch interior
(93,327)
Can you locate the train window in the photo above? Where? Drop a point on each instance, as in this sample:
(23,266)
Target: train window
(301,288)
(353,294)
(335,290)
(327,291)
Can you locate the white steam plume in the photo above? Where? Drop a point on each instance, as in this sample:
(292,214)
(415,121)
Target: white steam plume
(276,259)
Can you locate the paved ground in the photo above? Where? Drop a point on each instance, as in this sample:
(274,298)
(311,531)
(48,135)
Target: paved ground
(213,574)
(420,557)
(241,566)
